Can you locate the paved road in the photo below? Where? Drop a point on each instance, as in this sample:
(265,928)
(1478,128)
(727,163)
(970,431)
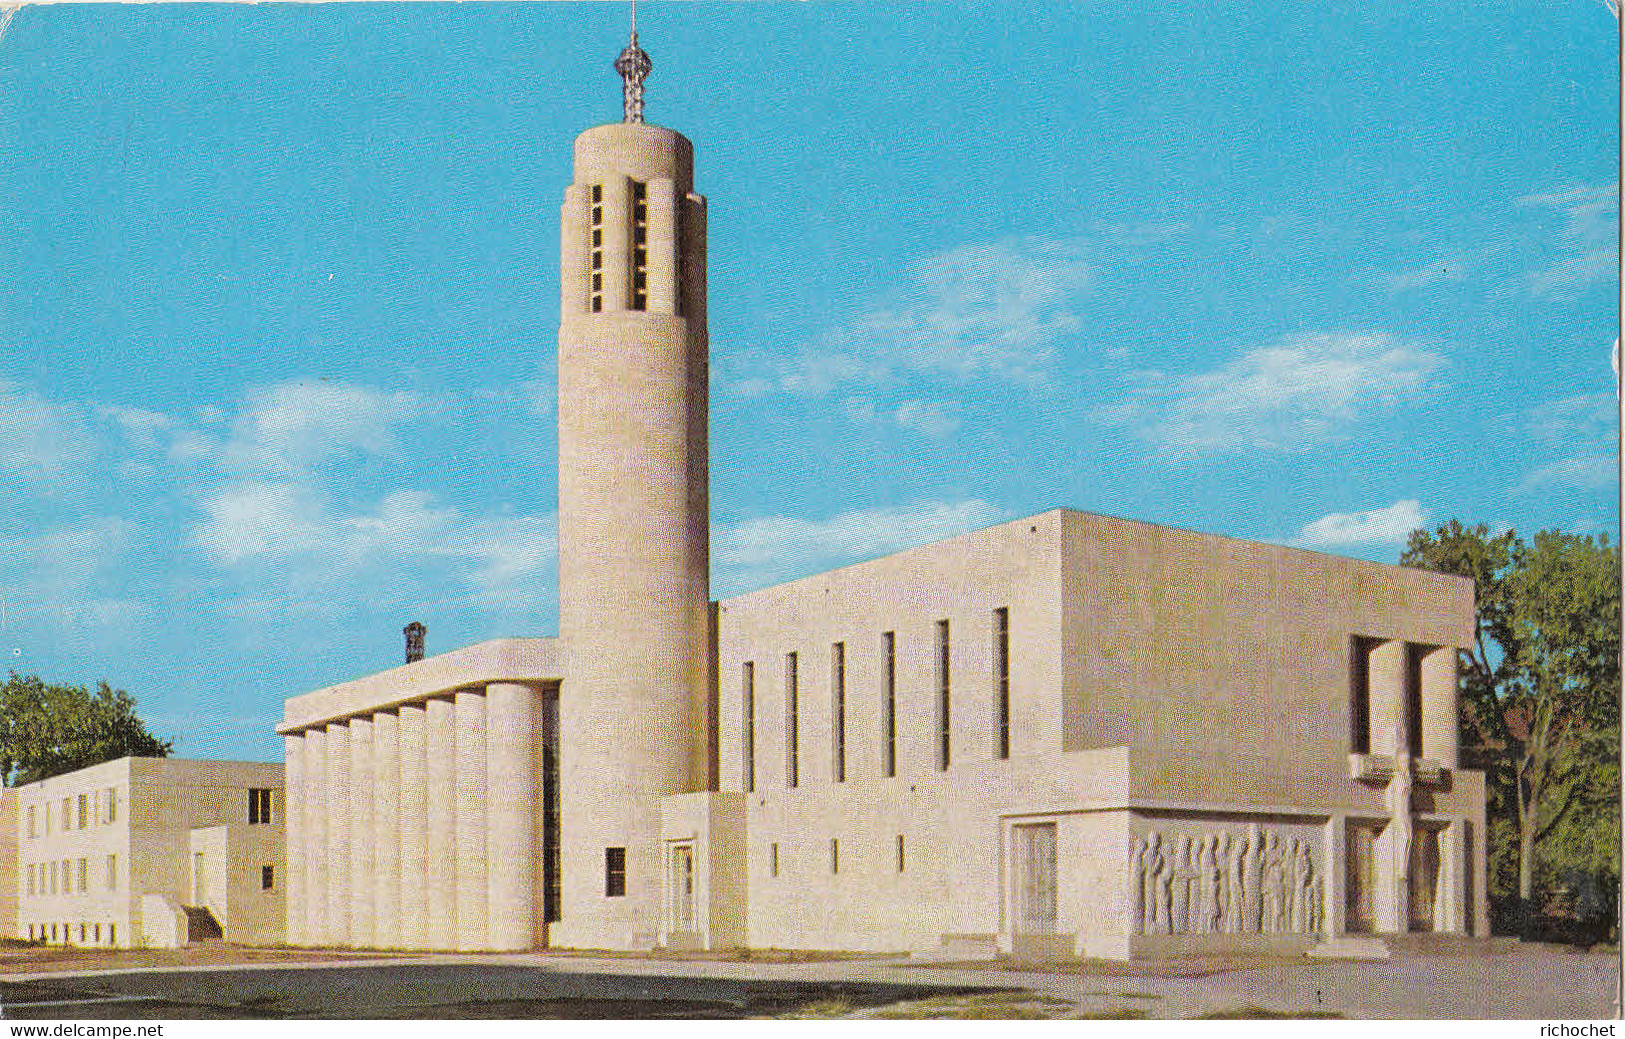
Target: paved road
(1530,982)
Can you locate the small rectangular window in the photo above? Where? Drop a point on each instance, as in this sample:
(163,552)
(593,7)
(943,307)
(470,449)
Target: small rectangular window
(888,704)
(259,807)
(112,934)
(30,878)
(82,873)
(899,853)
(84,811)
(792,723)
(597,193)
(747,725)
(614,872)
(33,828)
(598,214)
(773,858)
(267,878)
(98,934)
(597,282)
(943,696)
(834,854)
(112,872)
(112,804)
(1001,683)
(67,814)
(597,304)
(598,238)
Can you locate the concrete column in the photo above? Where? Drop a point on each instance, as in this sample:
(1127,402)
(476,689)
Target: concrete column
(1334,871)
(1450,912)
(1387,673)
(314,838)
(471,820)
(338,834)
(662,245)
(293,824)
(575,278)
(617,242)
(511,764)
(441,825)
(362,859)
(414,828)
(386,825)
(1439,706)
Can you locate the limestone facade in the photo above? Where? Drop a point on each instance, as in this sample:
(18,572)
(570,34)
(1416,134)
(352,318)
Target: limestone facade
(1070,733)
(127,852)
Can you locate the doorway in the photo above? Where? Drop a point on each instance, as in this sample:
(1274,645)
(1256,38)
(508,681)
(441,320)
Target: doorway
(680,883)
(1035,896)
(1424,869)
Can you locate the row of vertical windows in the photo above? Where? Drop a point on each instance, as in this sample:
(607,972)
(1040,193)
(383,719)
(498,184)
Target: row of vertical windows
(67,876)
(91,932)
(1360,650)
(834,856)
(597,247)
(943,702)
(640,246)
(75,813)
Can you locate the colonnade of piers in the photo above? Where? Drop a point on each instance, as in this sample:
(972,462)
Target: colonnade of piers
(418,827)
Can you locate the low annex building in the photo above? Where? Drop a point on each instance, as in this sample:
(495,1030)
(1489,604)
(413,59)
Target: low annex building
(1065,734)
(148,851)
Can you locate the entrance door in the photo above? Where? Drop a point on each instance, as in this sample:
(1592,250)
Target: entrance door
(1424,878)
(1360,877)
(681,885)
(1035,878)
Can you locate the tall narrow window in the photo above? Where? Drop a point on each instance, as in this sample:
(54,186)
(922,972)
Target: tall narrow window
(112,804)
(792,723)
(899,853)
(837,711)
(943,695)
(640,250)
(82,874)
(84,811)
(1001,683)
(1360,694)
(30,878)
(112,872)
(834,854)
(597,247)
(747,725)
(773,858)
(614,872)
(888,704)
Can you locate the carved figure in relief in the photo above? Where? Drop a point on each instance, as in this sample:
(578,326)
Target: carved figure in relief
(1134,886)
(1317,906)
(1208,880)
(1165,885)
(1274,886)
(1153,867)
(1181,892)
(1253,872)
(1303,869)
(1402,827)
(1221,861)
(1236,866)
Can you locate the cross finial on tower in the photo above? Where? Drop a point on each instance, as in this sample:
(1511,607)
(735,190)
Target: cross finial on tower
(634,66)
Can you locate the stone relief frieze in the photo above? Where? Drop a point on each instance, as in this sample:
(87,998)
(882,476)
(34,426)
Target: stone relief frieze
(1258,882)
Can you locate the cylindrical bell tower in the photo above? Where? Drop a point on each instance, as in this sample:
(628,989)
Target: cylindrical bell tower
(634,592)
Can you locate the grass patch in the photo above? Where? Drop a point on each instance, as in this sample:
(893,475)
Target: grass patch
(1257,1013)
(987,1006)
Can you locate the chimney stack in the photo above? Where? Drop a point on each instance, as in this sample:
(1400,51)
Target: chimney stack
(414,642)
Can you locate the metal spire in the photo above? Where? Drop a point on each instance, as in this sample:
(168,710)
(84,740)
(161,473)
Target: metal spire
(634,66)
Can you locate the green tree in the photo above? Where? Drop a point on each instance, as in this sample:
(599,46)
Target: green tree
(46,730)
(1540,691)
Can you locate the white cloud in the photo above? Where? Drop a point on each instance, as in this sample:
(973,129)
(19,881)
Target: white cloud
(1303,390)
(1388,526)
(926,418)
(1584,417)
(1590,237)
(1583,473)
(65,583)
(288,428)
(140,427)
(760,552)
(42,445)
(988,310)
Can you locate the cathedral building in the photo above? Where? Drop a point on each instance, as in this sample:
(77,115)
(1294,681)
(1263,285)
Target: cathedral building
(1065,735)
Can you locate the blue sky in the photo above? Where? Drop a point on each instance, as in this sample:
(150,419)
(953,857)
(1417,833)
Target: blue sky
(278,300)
